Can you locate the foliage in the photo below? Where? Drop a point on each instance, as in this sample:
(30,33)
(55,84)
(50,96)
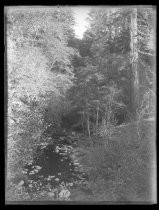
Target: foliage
(111,45)
(123,172)
(19,193)
(39,74)
(58,81)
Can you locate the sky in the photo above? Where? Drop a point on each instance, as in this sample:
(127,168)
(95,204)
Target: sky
(80,14)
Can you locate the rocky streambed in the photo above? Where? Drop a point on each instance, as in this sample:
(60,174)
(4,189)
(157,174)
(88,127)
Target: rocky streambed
(54,170)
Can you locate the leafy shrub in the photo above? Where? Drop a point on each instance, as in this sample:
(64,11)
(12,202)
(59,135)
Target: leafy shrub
(35,83)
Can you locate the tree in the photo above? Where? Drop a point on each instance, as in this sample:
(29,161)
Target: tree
(39,74)
(134,55)
(119,45)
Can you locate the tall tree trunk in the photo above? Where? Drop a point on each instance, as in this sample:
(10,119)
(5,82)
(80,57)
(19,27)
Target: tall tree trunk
(82,121)
(134,58)
(107,111)
(104,118)
(97,115)
(88,126)
(97,118)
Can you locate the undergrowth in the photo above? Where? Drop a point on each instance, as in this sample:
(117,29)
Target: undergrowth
(123,171)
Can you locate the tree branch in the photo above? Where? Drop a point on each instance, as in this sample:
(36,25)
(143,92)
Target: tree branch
(145,53)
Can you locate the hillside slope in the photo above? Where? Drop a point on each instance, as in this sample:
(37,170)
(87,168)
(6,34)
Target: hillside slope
(125,172)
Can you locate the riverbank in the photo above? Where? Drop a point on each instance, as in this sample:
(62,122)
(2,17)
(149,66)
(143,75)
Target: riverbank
(82,171)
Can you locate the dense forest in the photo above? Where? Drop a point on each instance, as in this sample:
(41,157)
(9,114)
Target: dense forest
(92,98)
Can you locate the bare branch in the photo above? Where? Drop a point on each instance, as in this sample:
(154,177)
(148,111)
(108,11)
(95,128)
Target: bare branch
(145,53)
